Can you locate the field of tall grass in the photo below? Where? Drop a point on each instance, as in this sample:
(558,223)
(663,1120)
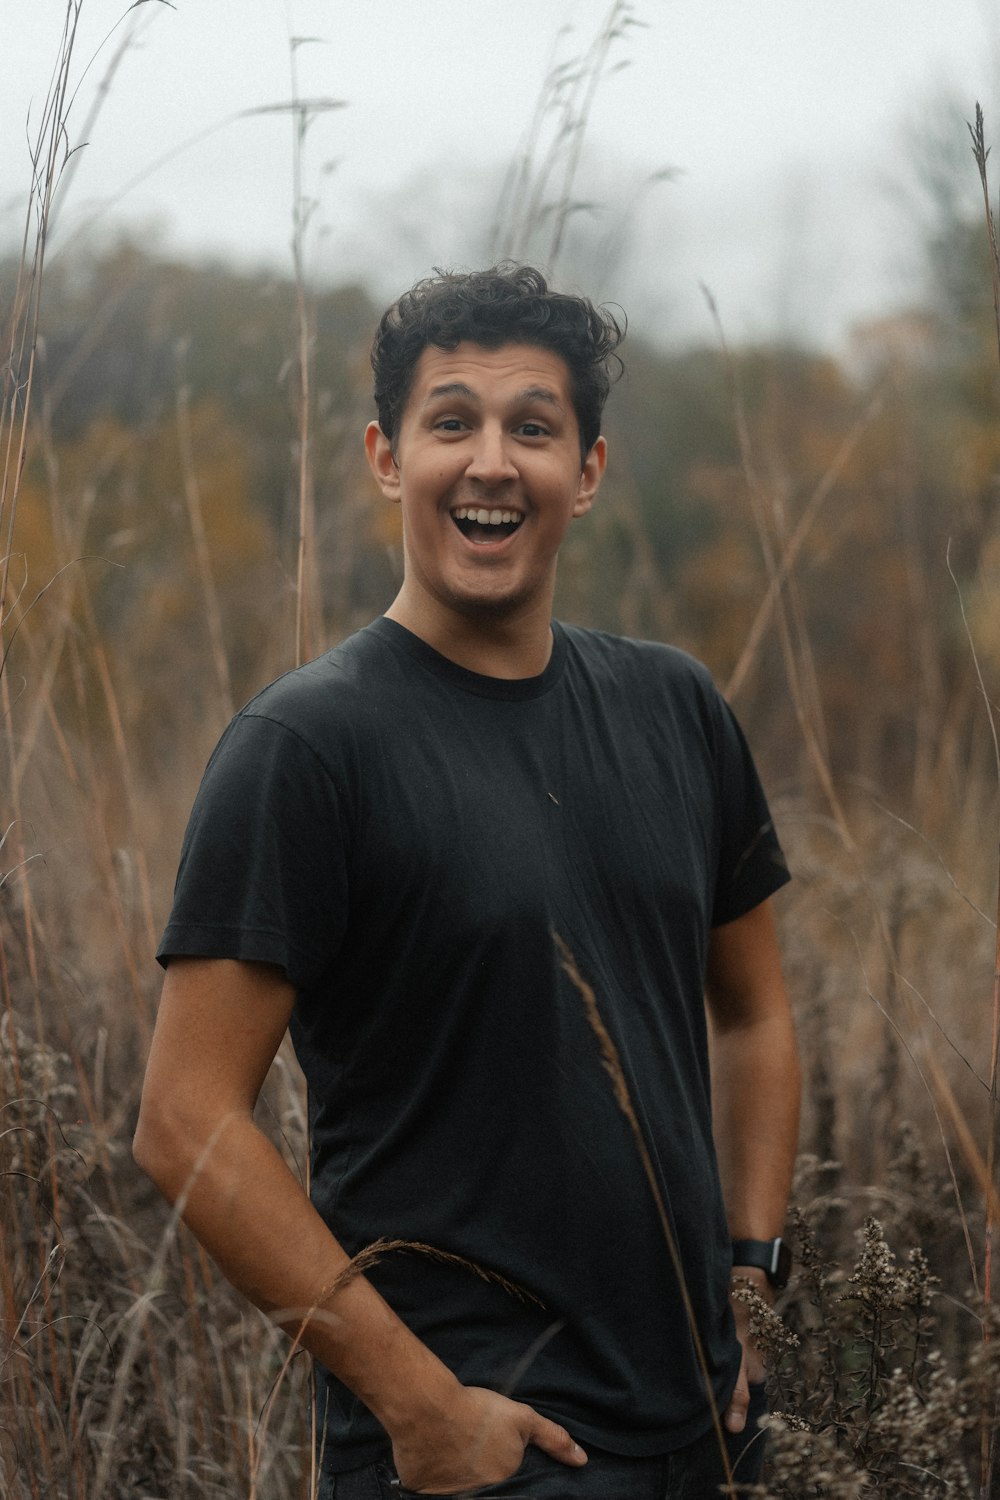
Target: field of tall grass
(128,1369)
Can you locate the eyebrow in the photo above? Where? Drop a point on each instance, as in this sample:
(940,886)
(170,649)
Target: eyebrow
(521,398)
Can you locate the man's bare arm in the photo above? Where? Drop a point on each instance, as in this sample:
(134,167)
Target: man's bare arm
(219,1026)
(755,1094)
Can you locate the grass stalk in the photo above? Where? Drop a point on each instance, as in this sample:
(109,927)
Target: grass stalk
(981,153)
(795,646)
(203,558)
(307,624)
(47,156)
(793,546)
(611,1061)
(529,203)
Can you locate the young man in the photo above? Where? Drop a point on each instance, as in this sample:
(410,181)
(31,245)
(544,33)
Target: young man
(401,851)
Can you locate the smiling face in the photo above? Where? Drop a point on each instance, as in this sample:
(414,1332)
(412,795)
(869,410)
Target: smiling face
(488,473)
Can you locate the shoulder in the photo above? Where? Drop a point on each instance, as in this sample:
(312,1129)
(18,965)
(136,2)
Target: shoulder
(652,663)
(306,724)
(335,690)
(664,690)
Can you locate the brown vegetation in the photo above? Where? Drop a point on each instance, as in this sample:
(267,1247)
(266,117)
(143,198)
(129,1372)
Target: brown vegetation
(824,535)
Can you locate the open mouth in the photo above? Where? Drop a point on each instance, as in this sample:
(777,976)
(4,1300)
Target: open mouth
(482,524)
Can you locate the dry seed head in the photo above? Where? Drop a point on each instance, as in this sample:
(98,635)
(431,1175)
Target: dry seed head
(770,1335)
(877,1281)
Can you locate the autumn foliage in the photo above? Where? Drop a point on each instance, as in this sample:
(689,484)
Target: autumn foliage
(821,530)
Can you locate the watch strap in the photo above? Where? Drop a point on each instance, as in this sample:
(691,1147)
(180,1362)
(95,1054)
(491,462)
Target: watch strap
(773,1257)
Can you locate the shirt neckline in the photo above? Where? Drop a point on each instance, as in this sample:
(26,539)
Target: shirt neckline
(511,689)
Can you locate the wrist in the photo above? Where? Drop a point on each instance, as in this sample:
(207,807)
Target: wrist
(754,1278)
(381,1360)
(421,1395)
(772,1257)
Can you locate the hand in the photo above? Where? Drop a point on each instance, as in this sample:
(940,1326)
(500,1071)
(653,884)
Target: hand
(479,1439)
(751,1365)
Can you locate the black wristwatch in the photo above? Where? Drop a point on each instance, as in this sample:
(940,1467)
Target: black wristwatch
(773,1257)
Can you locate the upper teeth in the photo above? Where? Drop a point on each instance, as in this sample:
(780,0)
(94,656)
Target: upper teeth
(487,517)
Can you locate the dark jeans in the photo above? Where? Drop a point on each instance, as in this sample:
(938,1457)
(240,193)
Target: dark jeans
(691,1473)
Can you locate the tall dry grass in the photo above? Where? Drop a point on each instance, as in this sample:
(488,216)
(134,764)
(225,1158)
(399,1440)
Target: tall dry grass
(127,1367)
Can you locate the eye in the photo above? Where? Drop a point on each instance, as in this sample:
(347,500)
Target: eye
(449,424)
(533,429)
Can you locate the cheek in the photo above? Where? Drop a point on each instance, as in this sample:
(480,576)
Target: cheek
(434,479)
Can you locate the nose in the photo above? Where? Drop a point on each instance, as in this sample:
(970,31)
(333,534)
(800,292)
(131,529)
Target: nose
(490,461)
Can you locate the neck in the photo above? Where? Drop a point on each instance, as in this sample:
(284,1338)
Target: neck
(493,646)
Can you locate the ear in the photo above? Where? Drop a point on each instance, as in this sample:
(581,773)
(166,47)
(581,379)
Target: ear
(382,461)
(590,478)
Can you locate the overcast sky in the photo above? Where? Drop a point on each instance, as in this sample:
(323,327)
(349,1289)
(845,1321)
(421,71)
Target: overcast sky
(789,126)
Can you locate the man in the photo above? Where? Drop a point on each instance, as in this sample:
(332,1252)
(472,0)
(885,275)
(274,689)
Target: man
(418,852)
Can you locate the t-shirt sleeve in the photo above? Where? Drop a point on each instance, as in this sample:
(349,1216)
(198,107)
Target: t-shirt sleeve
(263,867)
(751,863)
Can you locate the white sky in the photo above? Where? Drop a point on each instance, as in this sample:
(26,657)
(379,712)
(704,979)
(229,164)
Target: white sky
(789,120)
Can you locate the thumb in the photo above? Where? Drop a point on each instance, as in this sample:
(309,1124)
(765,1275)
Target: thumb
(739,1402)
(555,1441)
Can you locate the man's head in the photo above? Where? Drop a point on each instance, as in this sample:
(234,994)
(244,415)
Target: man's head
(507,304)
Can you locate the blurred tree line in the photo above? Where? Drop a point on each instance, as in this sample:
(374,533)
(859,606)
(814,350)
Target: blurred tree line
(812,527)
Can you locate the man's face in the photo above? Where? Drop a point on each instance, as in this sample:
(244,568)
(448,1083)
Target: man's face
(488,472)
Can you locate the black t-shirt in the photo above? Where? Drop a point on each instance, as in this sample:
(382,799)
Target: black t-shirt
(406,839)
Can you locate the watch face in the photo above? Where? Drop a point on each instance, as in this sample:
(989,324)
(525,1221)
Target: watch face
(782,1265)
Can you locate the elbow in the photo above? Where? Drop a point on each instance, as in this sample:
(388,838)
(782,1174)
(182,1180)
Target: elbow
(182,1142)
(172,1145)
(154,1146)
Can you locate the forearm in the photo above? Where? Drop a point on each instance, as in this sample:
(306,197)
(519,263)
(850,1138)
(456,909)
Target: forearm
(756,1104)
(755,1101)
(219,1026)
(248,1209)
(755,1089)
(755,1073)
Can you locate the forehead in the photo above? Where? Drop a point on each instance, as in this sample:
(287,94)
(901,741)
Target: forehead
(502,375)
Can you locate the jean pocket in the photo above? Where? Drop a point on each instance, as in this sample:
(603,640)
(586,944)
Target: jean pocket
(391,1489)
(534,1460)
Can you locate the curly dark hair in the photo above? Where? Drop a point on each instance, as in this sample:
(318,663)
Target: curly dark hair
(506,304)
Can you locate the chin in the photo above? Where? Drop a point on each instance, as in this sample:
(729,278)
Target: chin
(491,607)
